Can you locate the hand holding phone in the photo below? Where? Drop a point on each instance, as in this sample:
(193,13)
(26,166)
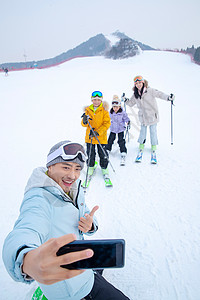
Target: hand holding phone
(45,256)
(108,253)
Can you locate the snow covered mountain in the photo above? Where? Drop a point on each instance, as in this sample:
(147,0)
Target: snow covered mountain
(155,208)
(99,45)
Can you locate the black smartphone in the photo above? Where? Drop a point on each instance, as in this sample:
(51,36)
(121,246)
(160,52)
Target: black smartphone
(108,253)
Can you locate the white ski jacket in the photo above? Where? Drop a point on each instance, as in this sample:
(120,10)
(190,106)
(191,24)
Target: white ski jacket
(148,109)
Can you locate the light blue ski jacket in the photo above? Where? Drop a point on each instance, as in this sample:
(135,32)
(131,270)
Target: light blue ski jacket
(47,212)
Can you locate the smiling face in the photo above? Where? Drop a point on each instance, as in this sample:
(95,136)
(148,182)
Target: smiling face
(139,85)
(96,102)
(64,174)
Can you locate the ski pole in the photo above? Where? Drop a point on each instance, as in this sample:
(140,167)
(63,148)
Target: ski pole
(124,105)
(127,133)
(172,137)
(104,152)
(122,100)
(88,163)
(127,130)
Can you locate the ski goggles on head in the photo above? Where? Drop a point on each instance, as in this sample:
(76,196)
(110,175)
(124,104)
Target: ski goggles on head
(116,103)
(97,94)
(68,151)
(138,78)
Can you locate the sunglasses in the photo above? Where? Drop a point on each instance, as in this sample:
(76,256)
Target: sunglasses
(97,94)
(138,78)
(68,151)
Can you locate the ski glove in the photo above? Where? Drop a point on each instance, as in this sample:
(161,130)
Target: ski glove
(171,97)
(85,119)
(129,124)
(123,98)
(93,133)
(126,100)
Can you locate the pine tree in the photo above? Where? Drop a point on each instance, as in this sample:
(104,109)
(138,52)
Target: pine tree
(197,55)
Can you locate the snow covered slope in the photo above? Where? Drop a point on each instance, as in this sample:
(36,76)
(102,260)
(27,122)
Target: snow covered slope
(155,208)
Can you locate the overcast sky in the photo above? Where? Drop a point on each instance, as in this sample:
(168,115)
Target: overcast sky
(38,29)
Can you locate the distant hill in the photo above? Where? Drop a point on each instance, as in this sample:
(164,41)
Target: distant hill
(98,45)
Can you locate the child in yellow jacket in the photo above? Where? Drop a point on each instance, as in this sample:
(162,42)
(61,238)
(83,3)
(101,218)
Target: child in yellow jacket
(97,115)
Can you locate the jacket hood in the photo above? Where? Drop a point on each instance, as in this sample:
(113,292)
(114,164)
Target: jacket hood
(39,179)
(146,83)
(104,104)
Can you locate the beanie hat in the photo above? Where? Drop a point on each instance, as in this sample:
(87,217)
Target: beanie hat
(116,101)
(59,159)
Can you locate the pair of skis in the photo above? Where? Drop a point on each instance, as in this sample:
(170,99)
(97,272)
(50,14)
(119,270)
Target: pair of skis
(107,180)
(153,157)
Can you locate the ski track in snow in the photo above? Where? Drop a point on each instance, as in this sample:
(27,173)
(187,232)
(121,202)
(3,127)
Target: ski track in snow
(147,208)
(155,208)
(150,204)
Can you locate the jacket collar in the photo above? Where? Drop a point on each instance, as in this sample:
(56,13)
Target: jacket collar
(92,107)
(39,179)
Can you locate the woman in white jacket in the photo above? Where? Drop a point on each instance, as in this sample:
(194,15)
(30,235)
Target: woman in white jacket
(145,98)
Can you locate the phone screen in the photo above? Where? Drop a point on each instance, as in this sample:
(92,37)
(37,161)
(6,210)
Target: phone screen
(107,254)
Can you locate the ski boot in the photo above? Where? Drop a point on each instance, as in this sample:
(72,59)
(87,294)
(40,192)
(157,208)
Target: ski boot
(139,156)
(153,154)
(106,177)
(140,153)
(123,159)
(90,174)
(153,157)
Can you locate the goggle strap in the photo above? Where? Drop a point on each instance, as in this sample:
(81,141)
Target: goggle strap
(54,155)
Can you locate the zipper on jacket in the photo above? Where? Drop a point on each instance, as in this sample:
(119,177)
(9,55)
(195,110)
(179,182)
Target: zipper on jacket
(76,200)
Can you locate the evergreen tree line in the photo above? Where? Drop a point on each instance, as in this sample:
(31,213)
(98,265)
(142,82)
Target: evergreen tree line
(197,55)
(195,52)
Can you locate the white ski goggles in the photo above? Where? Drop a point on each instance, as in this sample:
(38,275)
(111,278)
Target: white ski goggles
(68,151)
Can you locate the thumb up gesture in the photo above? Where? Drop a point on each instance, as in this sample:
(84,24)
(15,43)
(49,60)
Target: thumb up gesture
(85,223)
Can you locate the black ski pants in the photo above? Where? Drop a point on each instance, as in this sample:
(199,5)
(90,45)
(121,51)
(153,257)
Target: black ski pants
(91,155)
(103,290)
(121,141)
